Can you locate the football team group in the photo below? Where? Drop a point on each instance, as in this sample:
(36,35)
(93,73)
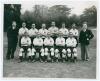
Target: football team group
(48,45)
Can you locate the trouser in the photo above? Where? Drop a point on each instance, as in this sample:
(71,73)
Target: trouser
(84,51)
(11,48)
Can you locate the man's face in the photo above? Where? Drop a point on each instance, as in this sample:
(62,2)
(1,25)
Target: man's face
(48,36)
(33,25)
(84,26)
(53,23)
(43,26)
(14,24)
(25,35)
(74,25)
(23,24)
(63,25)
(70,35)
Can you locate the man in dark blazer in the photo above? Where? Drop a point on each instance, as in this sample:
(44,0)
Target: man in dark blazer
(12,35)
(84,39)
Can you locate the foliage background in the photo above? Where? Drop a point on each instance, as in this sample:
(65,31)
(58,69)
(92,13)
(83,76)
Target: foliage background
(43,14)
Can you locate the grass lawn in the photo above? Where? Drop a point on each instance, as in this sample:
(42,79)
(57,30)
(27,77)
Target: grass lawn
(80,69)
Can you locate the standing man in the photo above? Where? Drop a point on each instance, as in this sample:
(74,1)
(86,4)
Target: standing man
(75,32)
(84,39)
(33,32)
(53,30)
(43,31)
(21,32)
(64,31)
(12,35)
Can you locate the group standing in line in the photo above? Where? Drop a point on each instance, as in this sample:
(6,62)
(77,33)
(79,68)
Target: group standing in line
(48,45)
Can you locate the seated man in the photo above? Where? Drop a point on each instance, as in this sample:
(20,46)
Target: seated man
(60,44)
(38,45)
(71,46)
(25,47)
(49,46)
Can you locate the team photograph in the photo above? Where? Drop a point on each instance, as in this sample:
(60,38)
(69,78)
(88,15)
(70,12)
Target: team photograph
(50,40)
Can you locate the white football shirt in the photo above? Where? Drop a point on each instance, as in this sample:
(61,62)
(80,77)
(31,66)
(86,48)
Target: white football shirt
(38,41)
(25,41)
(71,42)
(22,31)
(48,41)
(60,41)
(74,31)
(33,32)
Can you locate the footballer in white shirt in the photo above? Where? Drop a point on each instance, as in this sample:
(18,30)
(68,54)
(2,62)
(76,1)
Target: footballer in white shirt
(49,46)
(38,45)
(53,30)
(60,45)
(64,31)
(21,32)
(33,32)
(43,31)
(23,29)
(75,32)
(71,43)
(25,50)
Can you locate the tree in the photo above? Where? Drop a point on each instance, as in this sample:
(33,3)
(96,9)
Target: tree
(90,15)
(59,13)
(74,19)
(11,13)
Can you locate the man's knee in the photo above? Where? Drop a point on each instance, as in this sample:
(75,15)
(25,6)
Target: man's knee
(21,52)
(68,52)
(33,51)
(29,51)
(75,52)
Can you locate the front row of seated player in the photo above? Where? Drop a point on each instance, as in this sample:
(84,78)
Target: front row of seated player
(48,49)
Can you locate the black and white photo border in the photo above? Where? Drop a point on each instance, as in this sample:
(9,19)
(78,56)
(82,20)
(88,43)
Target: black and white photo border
(43,2)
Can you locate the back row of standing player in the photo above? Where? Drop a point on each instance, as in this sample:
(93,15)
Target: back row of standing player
(60,39)
(54,31)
